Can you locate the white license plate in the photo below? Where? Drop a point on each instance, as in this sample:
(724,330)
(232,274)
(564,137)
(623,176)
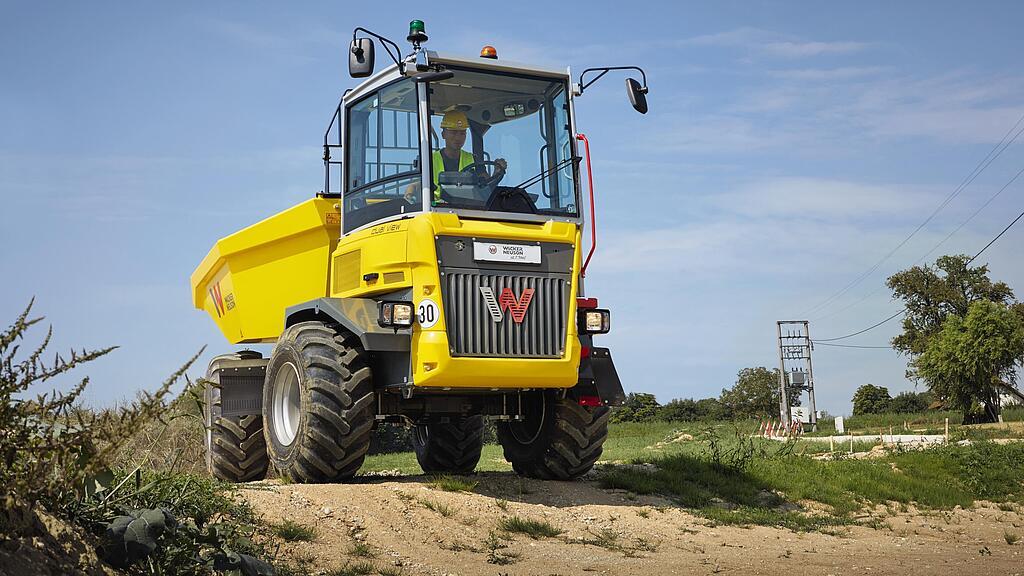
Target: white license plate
(501,252)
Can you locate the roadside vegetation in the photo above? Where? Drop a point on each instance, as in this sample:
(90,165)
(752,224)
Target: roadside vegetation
(119,485)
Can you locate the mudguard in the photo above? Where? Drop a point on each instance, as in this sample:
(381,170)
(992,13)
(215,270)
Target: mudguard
(358,316)
(598,377)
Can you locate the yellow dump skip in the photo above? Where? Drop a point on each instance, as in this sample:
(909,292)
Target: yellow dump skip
(248,278)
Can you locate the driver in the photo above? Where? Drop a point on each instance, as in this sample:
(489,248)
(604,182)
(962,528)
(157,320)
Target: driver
(452,158)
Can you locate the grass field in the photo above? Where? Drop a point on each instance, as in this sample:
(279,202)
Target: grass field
(725,475)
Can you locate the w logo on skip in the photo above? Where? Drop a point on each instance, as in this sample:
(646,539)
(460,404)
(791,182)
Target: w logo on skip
(507,301)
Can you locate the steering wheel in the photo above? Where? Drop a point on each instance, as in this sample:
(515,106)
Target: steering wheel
(488,181)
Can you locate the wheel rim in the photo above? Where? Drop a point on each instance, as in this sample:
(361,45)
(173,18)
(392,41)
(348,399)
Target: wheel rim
(526,431)
(286,409)
(420,434)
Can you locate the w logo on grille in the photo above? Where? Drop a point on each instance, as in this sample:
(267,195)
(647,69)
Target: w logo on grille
(507,301)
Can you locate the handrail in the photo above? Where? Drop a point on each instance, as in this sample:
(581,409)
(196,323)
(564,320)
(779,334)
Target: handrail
(593,216)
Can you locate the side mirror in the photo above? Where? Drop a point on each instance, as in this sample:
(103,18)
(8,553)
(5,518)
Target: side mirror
(360,58)
(637,95)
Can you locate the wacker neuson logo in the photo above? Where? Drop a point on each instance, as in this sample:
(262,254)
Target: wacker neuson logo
(517,307)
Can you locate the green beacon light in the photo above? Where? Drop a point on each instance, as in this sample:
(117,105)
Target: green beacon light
(416,32)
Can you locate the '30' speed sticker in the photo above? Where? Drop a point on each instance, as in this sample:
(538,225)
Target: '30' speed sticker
(427,313)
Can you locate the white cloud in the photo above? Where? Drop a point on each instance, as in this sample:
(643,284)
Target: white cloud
(774,44)
(801,198)
(830,74)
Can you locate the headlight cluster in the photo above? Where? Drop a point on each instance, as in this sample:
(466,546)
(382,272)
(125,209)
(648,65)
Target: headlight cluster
(395,314)
(596,321)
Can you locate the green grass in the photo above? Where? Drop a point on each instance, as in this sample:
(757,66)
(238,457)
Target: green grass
(439,507)
(362,550)
(361,568)
(291,531)
(450,483)
(533,528)
(939,478)
(688,473)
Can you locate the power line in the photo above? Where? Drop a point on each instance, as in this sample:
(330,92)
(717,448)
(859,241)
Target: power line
(971,217)
(872,327)
(978,169)
(934,248)
(993,241)
(850,345)
(876,325)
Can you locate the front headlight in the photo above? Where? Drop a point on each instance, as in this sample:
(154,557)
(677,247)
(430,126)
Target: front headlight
(597,321)
(395,314)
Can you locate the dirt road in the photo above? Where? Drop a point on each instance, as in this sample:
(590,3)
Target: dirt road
(410,527)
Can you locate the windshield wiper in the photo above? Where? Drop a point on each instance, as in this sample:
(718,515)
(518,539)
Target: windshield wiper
(544,173)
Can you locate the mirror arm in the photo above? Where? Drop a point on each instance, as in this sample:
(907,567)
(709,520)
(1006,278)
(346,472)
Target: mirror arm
(387,45)
(606,70)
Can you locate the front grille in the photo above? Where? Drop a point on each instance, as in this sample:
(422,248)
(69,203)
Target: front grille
(472,330)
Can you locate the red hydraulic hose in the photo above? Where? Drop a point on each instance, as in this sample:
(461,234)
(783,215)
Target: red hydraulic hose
(593,217)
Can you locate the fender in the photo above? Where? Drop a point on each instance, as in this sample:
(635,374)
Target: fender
(598,377)
(358,316)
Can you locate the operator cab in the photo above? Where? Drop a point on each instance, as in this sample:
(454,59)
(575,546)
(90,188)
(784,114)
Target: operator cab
(483,141)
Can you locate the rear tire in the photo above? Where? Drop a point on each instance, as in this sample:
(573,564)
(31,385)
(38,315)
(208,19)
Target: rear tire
(557,440)
(452,448)
(236,450)
(318,403)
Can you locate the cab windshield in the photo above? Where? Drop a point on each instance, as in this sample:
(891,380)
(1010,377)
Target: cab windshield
(501,142)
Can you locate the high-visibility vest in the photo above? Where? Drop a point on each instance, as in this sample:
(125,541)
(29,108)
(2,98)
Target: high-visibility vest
(465,159)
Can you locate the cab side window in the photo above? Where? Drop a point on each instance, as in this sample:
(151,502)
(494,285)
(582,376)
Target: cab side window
(382,166)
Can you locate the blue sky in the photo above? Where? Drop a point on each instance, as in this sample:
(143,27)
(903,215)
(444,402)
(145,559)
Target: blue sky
(789,146)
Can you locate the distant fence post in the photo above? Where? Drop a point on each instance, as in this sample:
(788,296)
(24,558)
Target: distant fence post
(946,435)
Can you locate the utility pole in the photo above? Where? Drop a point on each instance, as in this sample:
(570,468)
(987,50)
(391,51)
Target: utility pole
(796,372)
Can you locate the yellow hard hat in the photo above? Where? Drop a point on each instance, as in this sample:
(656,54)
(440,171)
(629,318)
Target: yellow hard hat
(455,119)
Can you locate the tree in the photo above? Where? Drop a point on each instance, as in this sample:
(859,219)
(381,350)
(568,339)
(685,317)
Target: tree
(679,410)
(755,394)
(871,399)
(638,407)
(688,410)
(968,359)
(910,402)
(931,297)
(934,296)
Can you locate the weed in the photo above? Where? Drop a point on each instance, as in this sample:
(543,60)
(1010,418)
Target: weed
(501,503)
(1010,537)
(1006,506)
(533,528)
(439,507)
(610,540)
(643,513)
(390,571)
(354,569)
(450,483)
(496,551)
(523,486)
(604,538)
(291,531)
(362,550)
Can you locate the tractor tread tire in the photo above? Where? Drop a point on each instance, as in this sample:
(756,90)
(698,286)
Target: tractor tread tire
(568,444)
(336,387)
(451,448)
(236,447)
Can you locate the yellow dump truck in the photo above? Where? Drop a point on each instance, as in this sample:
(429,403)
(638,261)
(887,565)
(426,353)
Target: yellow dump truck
(436,281)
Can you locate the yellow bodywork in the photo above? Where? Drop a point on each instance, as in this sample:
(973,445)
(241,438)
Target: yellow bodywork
(248,278)
(296,256)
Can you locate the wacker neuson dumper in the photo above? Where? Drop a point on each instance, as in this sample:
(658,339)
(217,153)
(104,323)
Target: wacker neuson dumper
(436,281)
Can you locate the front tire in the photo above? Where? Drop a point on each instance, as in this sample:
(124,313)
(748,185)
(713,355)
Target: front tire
(235,447)
(318,404)
(557,439)
(452,448)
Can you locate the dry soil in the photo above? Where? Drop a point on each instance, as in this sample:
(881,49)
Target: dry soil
(413,528)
